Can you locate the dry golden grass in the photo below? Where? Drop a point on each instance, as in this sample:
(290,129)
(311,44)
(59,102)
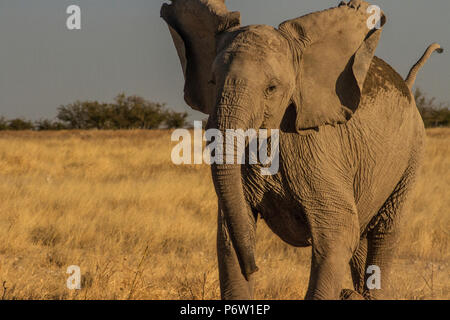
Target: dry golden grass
(142,228)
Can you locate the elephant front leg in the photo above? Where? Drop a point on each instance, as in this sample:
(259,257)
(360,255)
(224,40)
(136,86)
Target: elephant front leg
(335,237)
(233,285)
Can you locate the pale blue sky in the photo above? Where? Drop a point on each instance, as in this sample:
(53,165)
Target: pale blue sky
(125,46)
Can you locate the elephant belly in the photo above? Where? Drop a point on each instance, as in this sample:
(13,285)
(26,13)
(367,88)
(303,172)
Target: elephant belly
(286,221)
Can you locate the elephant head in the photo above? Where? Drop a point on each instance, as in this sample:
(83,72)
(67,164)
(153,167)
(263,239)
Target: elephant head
(307,73)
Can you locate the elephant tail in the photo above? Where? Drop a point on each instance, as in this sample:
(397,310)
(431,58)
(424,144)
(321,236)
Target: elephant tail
(411,78)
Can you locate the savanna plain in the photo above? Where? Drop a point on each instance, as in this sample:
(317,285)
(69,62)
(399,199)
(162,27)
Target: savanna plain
(140,227)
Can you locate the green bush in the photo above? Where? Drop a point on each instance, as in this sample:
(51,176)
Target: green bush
(20,124)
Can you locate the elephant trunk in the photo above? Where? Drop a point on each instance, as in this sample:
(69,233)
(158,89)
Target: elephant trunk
(228,185)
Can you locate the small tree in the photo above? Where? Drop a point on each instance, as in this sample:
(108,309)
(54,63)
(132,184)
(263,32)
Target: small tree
(175,119)
(73,115)
(140,113)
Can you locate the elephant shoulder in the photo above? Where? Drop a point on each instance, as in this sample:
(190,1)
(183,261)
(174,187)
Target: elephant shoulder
(382,76)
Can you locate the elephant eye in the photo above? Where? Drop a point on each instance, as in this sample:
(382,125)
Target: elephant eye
(271,89)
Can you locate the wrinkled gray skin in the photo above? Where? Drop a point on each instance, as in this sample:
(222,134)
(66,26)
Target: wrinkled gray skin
(351,139)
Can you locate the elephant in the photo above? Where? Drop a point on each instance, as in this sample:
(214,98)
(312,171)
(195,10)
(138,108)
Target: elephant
(351,138)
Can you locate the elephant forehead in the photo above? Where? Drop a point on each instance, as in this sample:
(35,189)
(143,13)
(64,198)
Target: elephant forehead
(257,38)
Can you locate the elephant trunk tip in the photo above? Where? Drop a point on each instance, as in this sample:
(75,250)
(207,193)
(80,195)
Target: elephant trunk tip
(249,271)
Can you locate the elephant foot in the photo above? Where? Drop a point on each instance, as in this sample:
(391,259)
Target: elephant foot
(347,294)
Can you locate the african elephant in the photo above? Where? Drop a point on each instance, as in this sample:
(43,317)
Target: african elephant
(350,142)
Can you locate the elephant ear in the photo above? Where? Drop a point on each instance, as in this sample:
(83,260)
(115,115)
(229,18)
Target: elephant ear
(194,25)
(333,51)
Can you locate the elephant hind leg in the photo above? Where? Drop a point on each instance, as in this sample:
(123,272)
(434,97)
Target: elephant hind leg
(383,238)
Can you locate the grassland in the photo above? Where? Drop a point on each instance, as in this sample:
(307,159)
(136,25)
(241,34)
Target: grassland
(140,227)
